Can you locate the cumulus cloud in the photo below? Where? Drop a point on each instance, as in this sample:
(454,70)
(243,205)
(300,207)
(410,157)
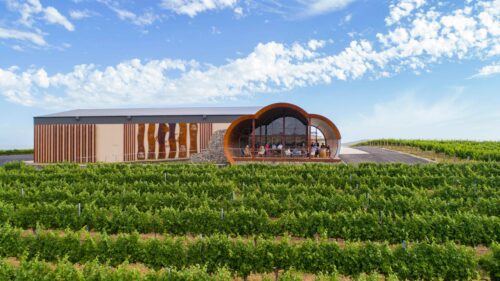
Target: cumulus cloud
(316,44)
(423,39)
(193,7)
(401,9)
(488,70)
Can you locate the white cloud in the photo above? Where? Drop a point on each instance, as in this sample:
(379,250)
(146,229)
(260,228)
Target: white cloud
(32,10)
(238,11)
(147,18)
(193,7)
(32,37)
(80,14)
(316,44)
(348,18)
(53,16)
(408,116)
(425,39)
(488,70)
(401,9)
(318,7)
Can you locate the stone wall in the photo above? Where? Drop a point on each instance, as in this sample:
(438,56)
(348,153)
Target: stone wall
(215,151)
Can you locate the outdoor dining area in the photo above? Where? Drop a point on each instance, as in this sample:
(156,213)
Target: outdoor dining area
(282,133)
(278,150)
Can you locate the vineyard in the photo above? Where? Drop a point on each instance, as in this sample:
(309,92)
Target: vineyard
(470,150)
(203,222)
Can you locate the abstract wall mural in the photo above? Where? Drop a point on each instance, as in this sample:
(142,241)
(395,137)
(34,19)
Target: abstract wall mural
(162,133)
(151,141)
(165,141)
(171,141)
(182,140)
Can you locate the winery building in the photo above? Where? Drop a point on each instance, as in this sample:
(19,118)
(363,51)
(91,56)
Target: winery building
(277,132)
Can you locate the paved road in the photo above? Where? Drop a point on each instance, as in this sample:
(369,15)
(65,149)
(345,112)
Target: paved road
(8,158)
(379,155)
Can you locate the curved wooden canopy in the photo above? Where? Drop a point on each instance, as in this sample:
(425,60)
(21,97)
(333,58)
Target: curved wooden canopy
(321,122)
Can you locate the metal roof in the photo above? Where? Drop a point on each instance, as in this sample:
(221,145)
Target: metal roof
(147,115)
(172,111)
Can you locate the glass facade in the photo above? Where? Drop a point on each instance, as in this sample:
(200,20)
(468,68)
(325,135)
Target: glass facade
(289,132)
(282,132)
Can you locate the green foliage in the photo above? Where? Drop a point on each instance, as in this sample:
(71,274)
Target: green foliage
(94,271)
(367,202)
(491,262)
(471,150)
(434,208)
(419,260)
(16,152)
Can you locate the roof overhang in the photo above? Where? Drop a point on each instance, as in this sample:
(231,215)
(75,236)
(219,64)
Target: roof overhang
(147,115)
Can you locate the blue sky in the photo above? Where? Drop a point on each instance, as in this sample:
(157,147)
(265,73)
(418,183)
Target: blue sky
(395,68)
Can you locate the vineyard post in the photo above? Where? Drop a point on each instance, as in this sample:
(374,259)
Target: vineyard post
(79,209)
(22,192)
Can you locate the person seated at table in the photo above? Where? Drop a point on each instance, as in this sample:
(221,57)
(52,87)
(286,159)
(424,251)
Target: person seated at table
(296,152)
(268,149)
(262,151)
(247,152)
(313,150)
(279,147)
(288,153)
